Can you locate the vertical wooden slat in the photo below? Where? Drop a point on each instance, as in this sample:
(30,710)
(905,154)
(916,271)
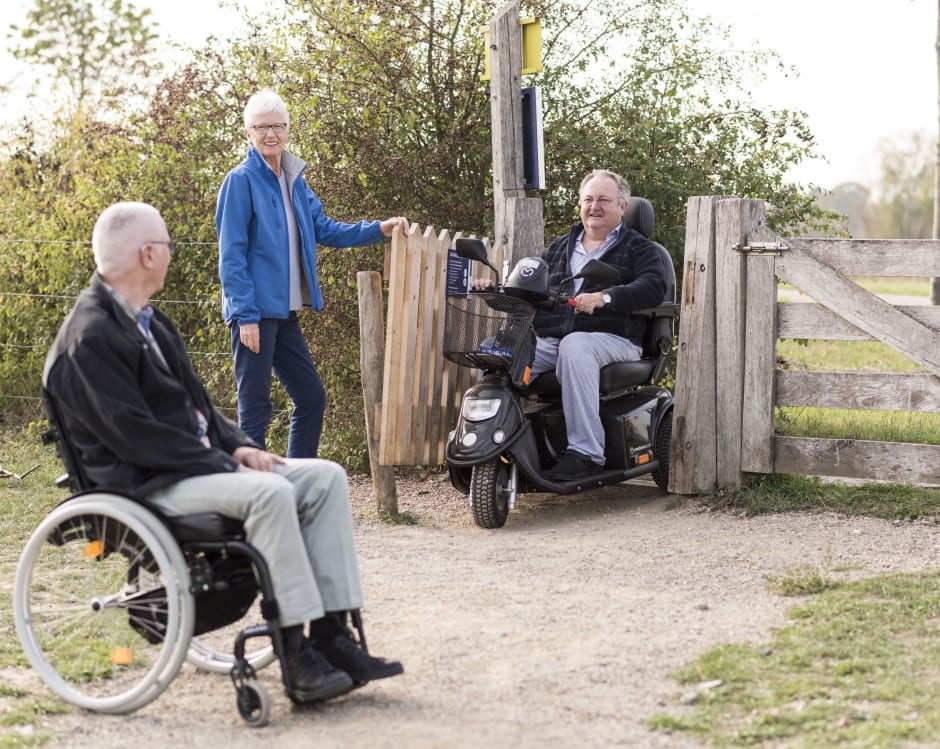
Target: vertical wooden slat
(435,452)
(760,347)
(408,345)
(730,231)
(394,260)
(424,361)
(693,467)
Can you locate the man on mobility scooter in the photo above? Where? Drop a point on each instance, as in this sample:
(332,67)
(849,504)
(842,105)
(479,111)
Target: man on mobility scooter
(575,341)
(142,423)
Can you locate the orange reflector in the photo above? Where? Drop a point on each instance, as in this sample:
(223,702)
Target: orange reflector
(526,374)
(122,656)
(93,549)
(643,458)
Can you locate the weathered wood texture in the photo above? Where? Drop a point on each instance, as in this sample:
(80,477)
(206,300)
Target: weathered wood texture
(371,364)
(802,320)
(729,326)
(898,462)
(420,390)
(693,465)
(859,307)
(858,390)
(518,219)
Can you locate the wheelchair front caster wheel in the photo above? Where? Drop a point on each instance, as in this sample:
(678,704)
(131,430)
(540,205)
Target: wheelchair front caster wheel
(254,703)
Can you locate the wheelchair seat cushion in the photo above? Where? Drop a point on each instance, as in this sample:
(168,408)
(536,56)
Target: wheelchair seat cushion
(205,526)
(616,376)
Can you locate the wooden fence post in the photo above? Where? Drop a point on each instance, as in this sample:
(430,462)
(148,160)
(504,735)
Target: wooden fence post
(693,466)
(518,218)
(371,363)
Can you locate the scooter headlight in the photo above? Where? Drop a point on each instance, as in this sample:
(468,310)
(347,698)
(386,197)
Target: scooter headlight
(479,409)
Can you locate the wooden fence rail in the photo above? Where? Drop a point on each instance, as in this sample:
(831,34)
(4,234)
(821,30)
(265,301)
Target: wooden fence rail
(727,381)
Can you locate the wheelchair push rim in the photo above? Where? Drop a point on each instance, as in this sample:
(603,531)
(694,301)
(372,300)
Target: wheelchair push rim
(102,604)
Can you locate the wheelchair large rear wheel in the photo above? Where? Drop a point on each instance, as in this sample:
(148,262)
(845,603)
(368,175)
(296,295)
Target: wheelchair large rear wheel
(102,604)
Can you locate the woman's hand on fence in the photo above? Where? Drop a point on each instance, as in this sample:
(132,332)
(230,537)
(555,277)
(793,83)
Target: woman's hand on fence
(389,224)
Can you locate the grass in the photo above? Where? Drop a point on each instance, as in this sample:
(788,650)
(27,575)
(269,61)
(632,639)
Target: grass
(900,286)
(857,666)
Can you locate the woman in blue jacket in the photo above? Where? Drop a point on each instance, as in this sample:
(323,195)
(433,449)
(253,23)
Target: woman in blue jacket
(269,224)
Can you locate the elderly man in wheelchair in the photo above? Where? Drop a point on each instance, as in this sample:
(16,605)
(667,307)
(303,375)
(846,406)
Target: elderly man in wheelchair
(179,518)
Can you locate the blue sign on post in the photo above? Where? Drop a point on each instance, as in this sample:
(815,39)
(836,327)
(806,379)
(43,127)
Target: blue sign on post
(533,144)
(458,274)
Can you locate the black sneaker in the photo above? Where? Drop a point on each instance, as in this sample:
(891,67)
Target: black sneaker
(573,465)
(312,677)
(345,653)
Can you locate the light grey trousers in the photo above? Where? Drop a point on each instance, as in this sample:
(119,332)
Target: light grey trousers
(577,360)
(298,517)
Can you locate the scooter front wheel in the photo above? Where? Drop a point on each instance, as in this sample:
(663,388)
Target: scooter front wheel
(489,493)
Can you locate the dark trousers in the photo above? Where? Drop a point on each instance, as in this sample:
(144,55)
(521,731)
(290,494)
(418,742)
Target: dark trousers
(283,351)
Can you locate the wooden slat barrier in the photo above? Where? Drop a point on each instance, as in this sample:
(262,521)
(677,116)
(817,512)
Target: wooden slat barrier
(421,391)
(727,385)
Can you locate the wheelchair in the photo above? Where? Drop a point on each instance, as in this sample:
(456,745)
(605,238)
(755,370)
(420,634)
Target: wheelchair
(111,597)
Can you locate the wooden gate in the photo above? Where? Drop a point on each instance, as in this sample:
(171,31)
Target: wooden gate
(727,381)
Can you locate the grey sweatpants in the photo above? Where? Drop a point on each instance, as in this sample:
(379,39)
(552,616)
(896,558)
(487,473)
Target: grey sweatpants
(577,360)
(298,517)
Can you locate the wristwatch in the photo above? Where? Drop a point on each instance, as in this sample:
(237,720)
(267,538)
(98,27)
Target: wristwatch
(606,297)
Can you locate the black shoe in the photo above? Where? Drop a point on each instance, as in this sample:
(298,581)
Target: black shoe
(343,652)
(313,678)
(574,465)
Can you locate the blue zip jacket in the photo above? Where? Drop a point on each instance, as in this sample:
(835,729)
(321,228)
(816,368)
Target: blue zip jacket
(254,262)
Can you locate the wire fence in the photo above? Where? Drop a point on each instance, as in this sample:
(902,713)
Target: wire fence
(211,356)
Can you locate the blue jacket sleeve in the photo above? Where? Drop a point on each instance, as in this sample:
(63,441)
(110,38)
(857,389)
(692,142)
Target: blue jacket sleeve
(232,216)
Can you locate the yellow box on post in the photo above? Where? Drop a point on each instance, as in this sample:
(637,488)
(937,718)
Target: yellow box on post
(531,47)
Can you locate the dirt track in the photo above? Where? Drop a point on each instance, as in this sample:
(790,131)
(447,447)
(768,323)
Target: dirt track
(559,630)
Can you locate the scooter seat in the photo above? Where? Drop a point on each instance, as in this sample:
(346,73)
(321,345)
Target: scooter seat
(616,376)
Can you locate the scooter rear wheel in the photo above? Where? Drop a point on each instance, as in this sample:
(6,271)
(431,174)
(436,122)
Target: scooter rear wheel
(489,494)
(661,446)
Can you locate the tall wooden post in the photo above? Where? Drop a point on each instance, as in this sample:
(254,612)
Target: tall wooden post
(518,230)
(372,364)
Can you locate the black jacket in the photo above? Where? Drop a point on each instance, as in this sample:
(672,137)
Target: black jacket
(642,283)
(130,417)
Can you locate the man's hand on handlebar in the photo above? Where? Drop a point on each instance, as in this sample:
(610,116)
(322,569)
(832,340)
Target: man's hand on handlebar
(482,284)
(587,303)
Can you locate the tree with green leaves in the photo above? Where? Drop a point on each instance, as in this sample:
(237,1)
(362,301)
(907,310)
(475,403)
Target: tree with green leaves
(89,46)
(389,110)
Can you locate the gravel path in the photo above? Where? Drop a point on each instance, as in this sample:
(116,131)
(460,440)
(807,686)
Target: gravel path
(559,630)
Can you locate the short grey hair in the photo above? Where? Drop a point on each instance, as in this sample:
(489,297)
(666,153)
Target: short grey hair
(118,234)
(623,187)
(265,101)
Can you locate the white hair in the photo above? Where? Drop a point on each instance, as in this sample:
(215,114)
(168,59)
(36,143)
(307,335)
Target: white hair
(118,234)
(265,101)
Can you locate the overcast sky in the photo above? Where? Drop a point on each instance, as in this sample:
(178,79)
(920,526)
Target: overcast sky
(867,68)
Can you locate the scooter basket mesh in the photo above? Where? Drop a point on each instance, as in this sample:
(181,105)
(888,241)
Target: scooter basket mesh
(486,331)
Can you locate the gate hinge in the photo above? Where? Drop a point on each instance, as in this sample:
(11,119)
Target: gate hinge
(761,248)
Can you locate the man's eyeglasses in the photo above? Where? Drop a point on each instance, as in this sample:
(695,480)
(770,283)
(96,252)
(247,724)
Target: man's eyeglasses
(277,127)
(603,202)
(170,244)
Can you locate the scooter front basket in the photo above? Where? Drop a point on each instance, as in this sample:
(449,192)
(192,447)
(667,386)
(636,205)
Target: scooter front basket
(487,330)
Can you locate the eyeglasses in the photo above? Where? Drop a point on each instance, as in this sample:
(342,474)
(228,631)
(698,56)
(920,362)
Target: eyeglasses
(170,244)
(277,127)
(602,202)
